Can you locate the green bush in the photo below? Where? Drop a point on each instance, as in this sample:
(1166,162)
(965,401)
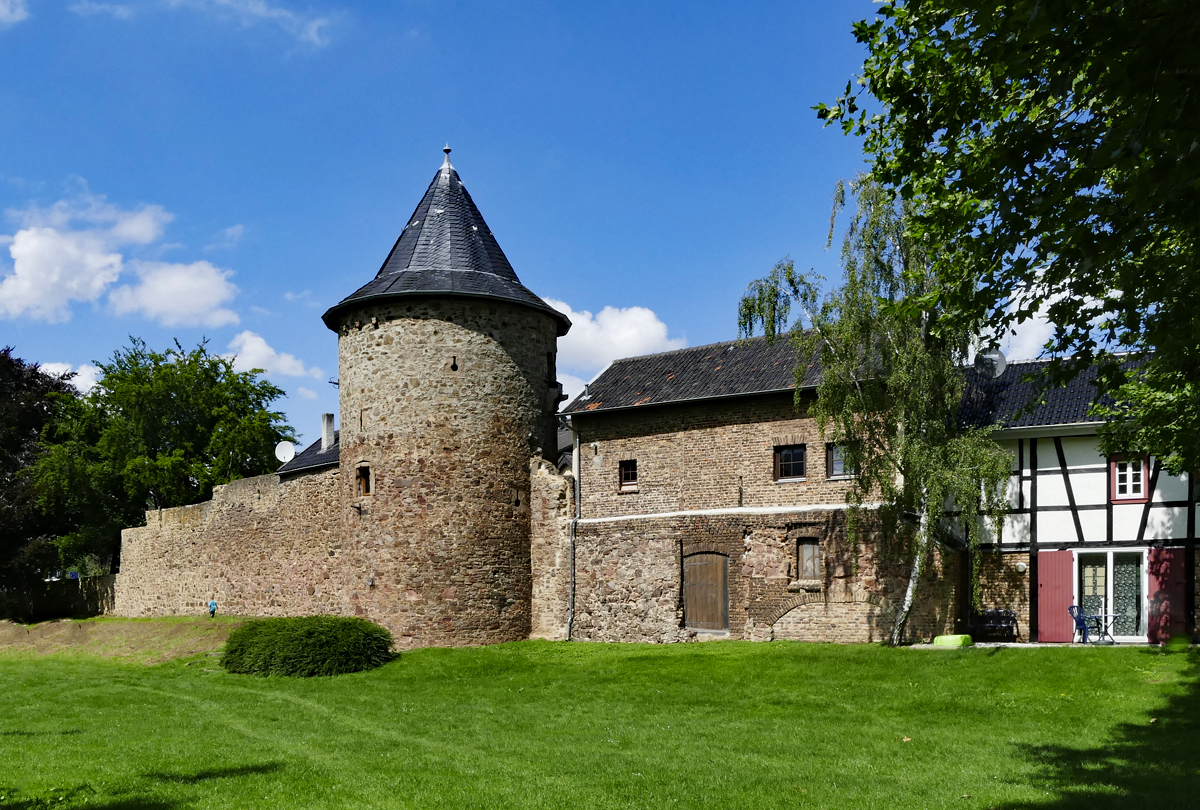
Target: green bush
(306,645)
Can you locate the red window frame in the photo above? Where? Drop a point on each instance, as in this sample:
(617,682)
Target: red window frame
(1112,480)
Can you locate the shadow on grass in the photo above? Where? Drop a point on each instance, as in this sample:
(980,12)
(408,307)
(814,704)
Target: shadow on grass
(1147,764)
(216,773)
(67,733)
(11,799)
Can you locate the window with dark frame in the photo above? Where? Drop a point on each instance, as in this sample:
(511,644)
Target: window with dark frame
(628,474)
(789,461)
(1128,478)
(808,559)
(835,462)
(362,480)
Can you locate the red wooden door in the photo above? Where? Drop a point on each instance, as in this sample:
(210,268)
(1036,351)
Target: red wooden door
(706,591)
(1055,594)
(1167,591)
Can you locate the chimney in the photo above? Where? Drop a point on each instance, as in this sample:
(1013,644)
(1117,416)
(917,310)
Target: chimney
(326,431)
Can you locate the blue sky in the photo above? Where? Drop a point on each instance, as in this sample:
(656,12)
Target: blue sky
(229,169)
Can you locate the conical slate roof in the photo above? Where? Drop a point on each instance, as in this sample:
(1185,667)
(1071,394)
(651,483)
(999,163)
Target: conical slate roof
(445,249)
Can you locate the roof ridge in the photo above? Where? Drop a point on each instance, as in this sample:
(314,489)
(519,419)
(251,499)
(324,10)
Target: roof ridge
(735,341)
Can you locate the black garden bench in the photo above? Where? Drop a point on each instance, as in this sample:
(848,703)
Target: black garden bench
(993,625)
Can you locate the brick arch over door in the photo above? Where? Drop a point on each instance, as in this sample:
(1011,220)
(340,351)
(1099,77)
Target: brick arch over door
(853,597)
(850,617)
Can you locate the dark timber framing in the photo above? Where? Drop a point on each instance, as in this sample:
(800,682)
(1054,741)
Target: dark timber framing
(1062,464)
(1149,501)
(1033,541)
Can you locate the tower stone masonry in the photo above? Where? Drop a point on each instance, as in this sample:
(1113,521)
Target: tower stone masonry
(447,386)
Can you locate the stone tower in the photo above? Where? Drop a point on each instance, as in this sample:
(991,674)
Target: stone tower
(447,385)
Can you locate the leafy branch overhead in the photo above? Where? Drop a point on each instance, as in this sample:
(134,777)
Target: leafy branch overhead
(891,383)
(1054,149)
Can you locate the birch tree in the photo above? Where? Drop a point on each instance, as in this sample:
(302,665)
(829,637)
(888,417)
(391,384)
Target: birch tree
(891,384)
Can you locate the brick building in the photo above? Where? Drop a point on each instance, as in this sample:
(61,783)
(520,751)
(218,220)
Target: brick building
(695,497)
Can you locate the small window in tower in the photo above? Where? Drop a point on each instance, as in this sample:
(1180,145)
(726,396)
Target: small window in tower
(362,481)
(628,480)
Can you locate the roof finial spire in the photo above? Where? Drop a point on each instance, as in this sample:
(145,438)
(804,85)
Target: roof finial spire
(446,162)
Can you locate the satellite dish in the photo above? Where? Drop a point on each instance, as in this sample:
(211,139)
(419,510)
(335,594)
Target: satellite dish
(285,452)
(991,363)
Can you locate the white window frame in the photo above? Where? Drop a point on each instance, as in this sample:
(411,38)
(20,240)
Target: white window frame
(1108,584)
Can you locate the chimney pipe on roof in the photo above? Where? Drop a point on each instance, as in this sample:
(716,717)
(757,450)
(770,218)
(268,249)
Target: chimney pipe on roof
(326,431)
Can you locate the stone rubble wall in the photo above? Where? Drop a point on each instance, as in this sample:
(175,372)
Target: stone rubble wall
(629,580)
(552,503)
(260,547)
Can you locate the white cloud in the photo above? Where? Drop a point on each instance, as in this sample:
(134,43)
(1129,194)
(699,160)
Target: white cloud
(178,294)
(251,350)
(306,28)
(70,252)
(306,393)
(87,8)
(227,238)
(595,341)
(85,378)
(13,11)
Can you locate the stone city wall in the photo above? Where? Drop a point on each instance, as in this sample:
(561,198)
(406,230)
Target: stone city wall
(552,504)
(260,547)
(629,580)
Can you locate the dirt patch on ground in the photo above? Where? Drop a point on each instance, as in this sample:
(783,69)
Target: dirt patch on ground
(149,641)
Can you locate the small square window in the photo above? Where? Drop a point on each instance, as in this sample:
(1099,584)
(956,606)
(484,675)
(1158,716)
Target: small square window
(629,479)
(789,461)
(1128,479)
(808,560)
(362,481)
(835,462)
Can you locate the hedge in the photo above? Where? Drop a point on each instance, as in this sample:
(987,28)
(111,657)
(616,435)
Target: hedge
(305,646)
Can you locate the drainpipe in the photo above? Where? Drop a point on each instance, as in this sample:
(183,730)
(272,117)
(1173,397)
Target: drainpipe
(574,522)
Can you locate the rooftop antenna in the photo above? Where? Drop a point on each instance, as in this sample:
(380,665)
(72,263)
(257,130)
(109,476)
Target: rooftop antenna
(990,363)
(285,452)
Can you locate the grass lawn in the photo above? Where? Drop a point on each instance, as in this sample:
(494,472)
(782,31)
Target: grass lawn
(556,725)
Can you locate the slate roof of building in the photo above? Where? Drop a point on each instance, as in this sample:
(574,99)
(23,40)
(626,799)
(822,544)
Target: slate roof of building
(740,368)
(446,249)
(312,458)
(730,369)
(1003,401)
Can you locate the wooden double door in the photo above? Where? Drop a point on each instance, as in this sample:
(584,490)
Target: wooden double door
(706,591)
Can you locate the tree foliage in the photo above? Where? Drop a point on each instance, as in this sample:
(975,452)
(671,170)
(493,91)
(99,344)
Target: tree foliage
(29,402)
(159,429)
(891,384)
(1055,152)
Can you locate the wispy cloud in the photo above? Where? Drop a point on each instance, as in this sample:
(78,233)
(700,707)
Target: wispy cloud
(87,8)
(227,238)
(12,12)
(306,27)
